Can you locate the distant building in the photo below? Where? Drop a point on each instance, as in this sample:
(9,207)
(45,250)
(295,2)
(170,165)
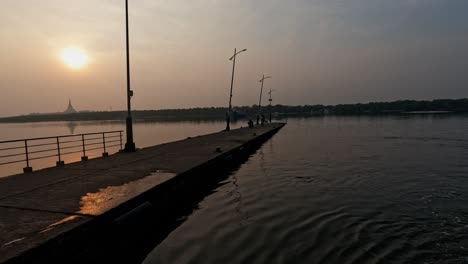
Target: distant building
(70,109)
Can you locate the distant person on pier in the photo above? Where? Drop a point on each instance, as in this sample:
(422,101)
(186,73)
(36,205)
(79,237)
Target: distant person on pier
(250,123)
(263,120)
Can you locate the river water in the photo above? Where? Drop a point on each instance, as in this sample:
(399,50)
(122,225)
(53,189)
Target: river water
(338,190)
(323,190)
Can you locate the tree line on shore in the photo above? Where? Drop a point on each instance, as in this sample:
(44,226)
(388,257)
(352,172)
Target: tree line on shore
(243,112)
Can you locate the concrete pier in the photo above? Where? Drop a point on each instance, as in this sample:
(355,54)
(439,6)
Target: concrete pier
(47,213)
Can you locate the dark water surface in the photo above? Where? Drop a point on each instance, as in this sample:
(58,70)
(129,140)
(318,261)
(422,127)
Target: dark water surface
(338,190)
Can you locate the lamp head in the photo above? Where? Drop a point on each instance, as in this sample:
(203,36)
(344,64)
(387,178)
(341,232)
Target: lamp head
(236,54)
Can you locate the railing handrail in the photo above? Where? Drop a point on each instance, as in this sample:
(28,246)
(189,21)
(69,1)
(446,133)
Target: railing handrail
(85,142)
(65,136)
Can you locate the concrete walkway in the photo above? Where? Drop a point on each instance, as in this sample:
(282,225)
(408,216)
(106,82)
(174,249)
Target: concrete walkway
(44,205)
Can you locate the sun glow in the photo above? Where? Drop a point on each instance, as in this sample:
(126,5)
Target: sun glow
(74,57)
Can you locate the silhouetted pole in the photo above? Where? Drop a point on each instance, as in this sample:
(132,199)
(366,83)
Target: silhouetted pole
(228,114)
(270,102)
(130,145)
(260,100)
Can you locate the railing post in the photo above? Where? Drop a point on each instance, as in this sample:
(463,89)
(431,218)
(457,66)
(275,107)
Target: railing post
(104,154)
(27,168)
(60,162)
(84,157)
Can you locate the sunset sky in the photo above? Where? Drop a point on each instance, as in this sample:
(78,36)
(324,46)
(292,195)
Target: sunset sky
(318,52)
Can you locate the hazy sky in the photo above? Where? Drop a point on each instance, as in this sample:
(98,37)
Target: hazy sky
(318,51)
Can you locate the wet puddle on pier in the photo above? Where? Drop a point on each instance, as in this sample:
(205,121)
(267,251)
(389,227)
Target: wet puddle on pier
(94,204)
(109,197)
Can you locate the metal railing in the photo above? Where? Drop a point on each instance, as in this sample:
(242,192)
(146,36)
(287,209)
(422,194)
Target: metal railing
(57,146)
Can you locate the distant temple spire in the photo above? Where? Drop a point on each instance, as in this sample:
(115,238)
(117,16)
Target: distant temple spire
(70,109)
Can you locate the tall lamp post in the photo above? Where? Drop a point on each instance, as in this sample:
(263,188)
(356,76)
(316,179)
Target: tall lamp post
(260,100)
(228,114)
(129,145)
(270,100)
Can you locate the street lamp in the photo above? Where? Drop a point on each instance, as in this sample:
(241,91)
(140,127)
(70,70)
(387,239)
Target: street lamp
(129,145)
(270,92)
(260,100)
(228,114)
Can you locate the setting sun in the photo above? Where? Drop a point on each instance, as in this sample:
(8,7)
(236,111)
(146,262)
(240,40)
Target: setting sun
(74,57)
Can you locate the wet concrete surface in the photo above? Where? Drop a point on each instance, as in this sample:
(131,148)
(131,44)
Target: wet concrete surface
(22,230)
(38,207)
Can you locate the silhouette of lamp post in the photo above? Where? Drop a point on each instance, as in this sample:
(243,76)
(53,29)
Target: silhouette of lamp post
(270,100)
(228,114)
(129,145)
(260,100)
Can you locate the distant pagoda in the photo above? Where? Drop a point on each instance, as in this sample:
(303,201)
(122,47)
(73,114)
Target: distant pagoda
(70,109)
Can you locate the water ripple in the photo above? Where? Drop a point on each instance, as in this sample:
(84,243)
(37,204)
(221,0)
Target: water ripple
(337,191)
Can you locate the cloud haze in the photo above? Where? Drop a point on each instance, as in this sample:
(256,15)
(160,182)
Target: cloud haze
(333,51)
